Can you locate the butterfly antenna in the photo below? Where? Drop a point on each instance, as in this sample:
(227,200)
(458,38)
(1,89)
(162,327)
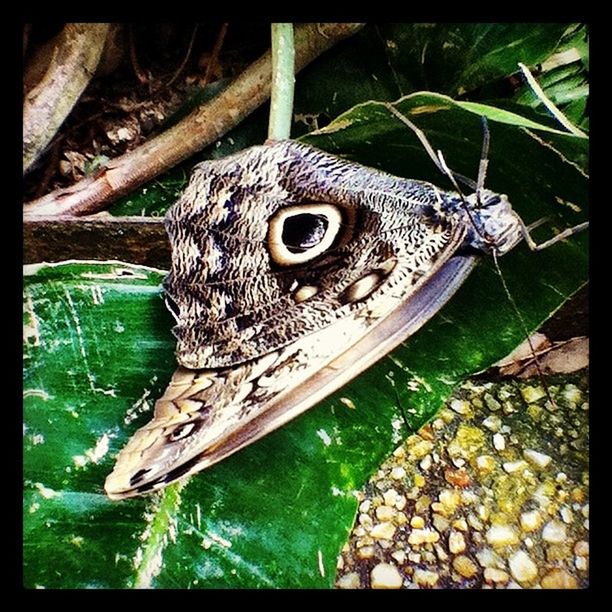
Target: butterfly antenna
(523,325)
(440,165)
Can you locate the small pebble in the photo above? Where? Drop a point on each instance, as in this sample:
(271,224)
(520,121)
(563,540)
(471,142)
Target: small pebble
(399,556)
(558,578)
(364,506)
(487,557)
(349,581)
(465,566)
(385,576)
(385,513)
(449,499)
(460,406)
(554,532)
(422,536)
(397,473)
(441,553)
(390,495)
(366,552)
(365,520)
(532,394)
(441,523)
(460,524)
(537,459)
(420,449)
(458,478)
(512,467)
(425,463)
(499,442)
(422,504)
(485,464)
(581,563)
(383,531)
(530,521)
(501,535)
(417,522)
(522,568)
(425,578)
(419,480)
(497,576)
(474,522)
(456,542)
(566,515)
(493,423)
(491,402)
(581,548)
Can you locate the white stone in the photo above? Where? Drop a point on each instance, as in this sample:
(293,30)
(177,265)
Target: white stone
(383,531)
(385,576)
(530,521)
(460,406)
(422,536)
(554,532)
(501,535)
(513,467)
(349,581)
(390,495)
(537,459)
(581,563)
(487,557)
(566,515)
(492,574)
(522,568)
(425,577)
(385,513)
(499,442)
(364,506)
(425,463)
(399,556)
(397,473)
(493,423)
(456,542)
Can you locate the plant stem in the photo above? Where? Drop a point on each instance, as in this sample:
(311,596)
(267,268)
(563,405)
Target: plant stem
(283,80)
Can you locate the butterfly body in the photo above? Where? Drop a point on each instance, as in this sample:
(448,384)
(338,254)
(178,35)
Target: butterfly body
(294,270)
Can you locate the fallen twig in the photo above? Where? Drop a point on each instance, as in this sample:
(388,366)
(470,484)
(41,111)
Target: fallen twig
(201,127)
(75,55)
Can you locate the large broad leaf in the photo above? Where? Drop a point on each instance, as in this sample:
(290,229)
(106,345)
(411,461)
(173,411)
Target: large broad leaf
(381,62)
(98,351)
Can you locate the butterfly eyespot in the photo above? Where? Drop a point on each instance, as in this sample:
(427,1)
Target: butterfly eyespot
(304,293)
(180,432)
(298,234)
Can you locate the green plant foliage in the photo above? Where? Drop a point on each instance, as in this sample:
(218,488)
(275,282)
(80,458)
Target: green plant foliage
(99,351)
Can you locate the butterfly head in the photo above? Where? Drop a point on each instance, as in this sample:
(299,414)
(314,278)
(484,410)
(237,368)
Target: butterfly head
(496,226)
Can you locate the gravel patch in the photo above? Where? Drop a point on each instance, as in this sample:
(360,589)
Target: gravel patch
(493,493)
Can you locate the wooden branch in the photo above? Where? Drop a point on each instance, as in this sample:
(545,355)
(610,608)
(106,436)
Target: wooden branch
(74,57)
(203,126)
(139,240)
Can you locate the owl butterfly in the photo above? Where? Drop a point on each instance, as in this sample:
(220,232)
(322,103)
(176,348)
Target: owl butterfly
(292,272)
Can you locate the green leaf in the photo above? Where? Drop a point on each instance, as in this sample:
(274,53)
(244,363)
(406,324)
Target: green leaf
(381,62)
(98,352)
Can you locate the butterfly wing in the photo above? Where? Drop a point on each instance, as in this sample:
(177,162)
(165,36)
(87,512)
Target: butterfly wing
(316,269)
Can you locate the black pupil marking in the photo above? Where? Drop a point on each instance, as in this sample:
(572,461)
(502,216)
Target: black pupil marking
(171,304)
(138,476)
(182,431)
(304,231)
